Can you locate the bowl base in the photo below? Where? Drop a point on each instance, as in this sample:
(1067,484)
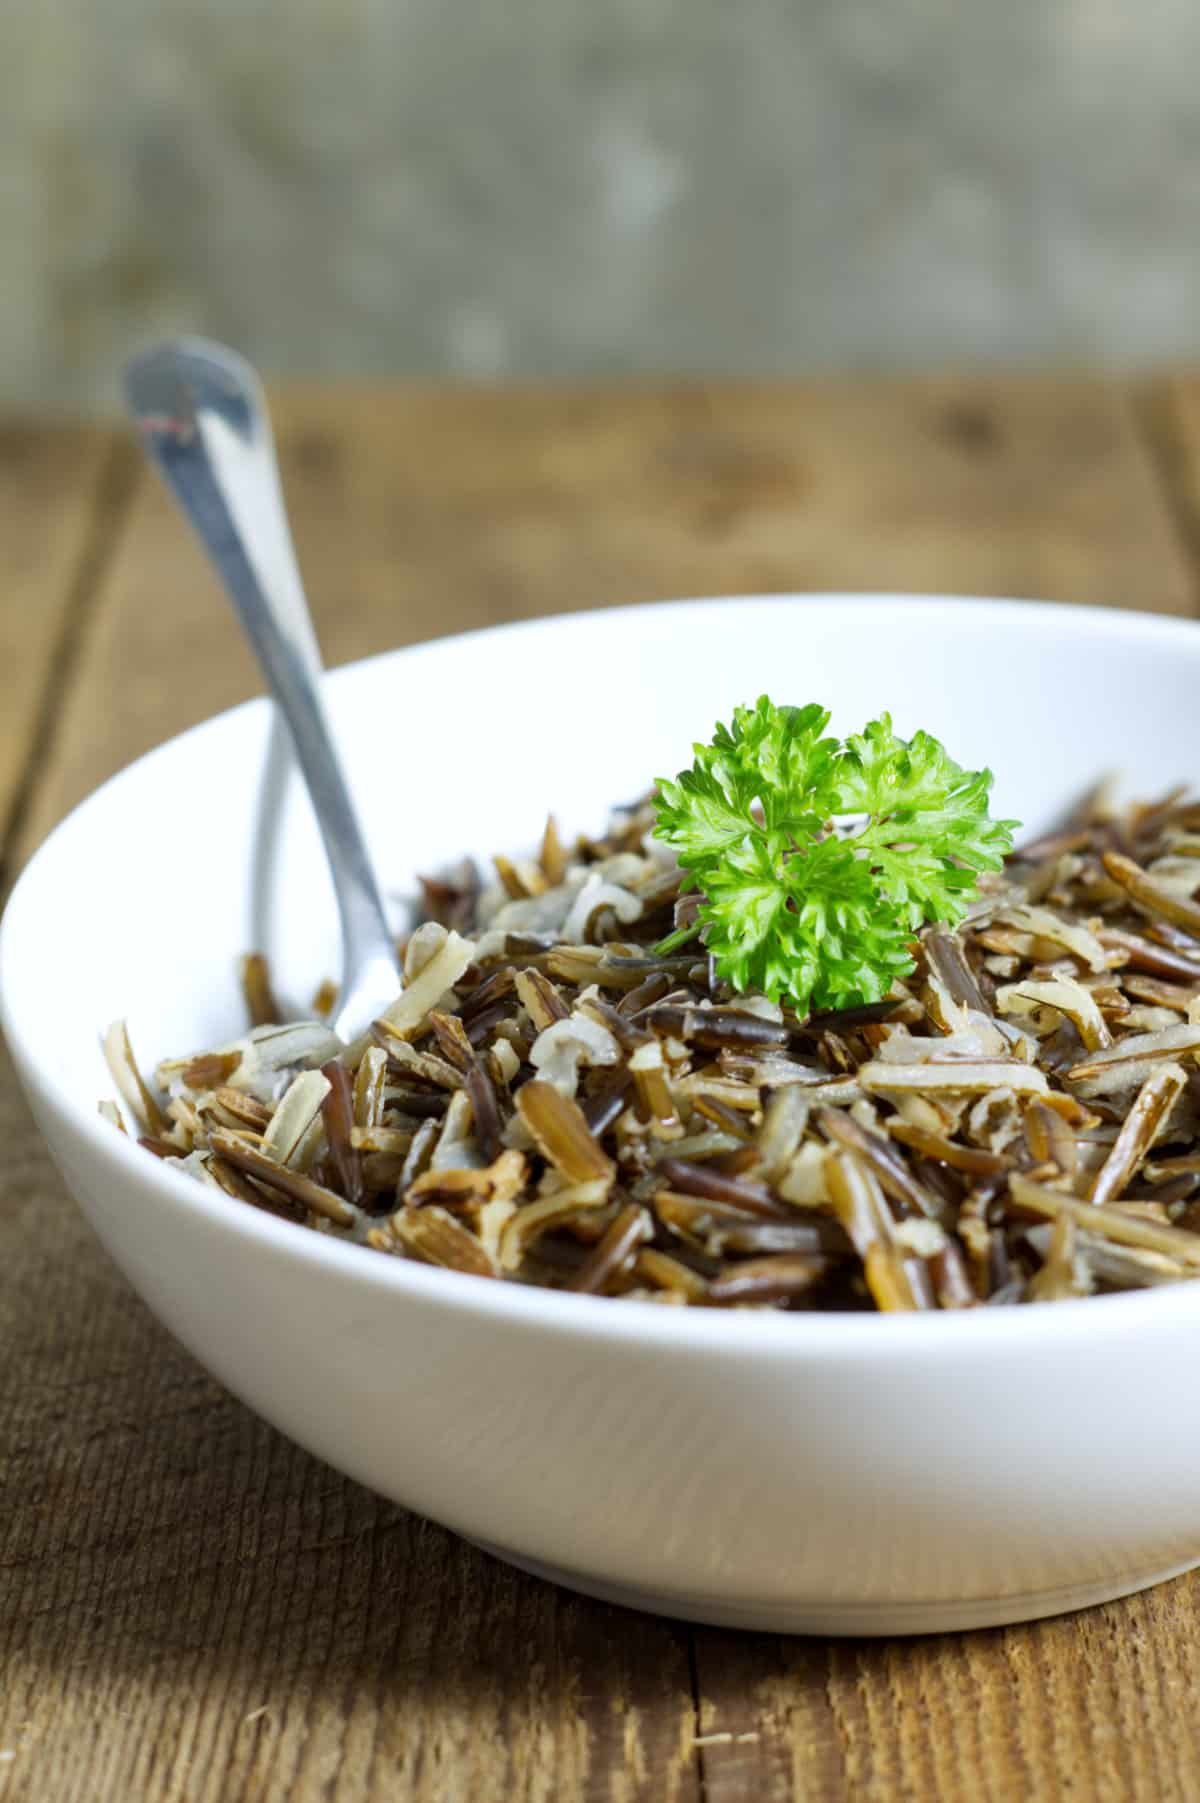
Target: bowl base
(949,1615)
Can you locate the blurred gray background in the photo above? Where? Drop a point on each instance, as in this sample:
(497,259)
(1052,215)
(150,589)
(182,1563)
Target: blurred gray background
(539,188)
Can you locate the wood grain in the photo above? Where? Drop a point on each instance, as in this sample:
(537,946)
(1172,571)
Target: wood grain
(192,1609)
(424,511)
(1170,412)
(1097,1705)
(60,499)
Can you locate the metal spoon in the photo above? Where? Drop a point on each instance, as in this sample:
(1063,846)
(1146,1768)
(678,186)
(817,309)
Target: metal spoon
(201,415)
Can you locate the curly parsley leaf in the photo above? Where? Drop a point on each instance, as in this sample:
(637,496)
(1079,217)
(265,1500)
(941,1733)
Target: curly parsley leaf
(928,833)
(791,905)
(767,773)
(807,926)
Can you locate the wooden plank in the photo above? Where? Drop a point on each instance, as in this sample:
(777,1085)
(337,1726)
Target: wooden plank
(168,1566)
(61,499)
(192,1608)
(425,511)
(1092,1705)
(1085,1705)
(392,1659)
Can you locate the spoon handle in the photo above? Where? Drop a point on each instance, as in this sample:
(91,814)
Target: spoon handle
(202,419)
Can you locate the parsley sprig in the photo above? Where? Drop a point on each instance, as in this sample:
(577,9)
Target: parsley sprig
(819,860)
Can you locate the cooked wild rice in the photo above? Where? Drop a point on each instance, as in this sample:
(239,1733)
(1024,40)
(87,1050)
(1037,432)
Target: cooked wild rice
(550,1102)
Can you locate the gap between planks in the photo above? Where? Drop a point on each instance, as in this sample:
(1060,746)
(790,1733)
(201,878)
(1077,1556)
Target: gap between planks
(698,1751)
(109,510)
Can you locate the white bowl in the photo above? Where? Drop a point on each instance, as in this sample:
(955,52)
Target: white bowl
(838,1473)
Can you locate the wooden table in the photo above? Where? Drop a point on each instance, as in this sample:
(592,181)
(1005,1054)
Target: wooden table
(190,1607)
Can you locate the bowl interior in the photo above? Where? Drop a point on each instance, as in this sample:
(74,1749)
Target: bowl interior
(139,903)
